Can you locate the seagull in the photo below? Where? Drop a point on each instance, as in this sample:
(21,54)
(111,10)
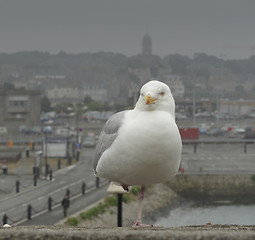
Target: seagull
(141,146)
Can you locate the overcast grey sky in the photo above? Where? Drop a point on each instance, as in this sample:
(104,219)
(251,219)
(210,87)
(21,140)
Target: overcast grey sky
(216,27)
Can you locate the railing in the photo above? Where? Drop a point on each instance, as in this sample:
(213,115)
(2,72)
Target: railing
(38,139)
(52,202)
(219,141)
(196,142)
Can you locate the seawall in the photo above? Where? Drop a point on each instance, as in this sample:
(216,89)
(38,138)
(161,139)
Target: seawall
(238,188)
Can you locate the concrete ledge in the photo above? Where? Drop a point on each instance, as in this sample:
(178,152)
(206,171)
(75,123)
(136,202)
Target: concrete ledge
(231,232)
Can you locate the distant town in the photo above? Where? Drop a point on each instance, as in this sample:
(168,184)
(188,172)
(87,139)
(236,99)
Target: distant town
(33,83)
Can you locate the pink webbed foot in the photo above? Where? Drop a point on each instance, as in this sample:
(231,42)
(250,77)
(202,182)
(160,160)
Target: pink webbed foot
(138,224)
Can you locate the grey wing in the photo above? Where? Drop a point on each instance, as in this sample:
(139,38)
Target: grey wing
(108,135)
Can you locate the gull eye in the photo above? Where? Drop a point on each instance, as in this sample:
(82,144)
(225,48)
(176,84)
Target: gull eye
(162,93)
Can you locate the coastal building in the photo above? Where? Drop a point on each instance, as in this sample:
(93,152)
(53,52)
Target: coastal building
(20,107)
(237,108)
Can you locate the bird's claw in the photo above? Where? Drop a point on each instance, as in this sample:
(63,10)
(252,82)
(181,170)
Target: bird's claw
(138,224)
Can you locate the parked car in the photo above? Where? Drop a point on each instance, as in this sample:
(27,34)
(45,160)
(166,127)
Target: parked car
(249,134)
(89,142)
(203,114)
(22,128)
(47,129)
(30,130)
(238,130)
(3,130)
(180,116)
(204,128)
(223,115)
(65,132)
(215,132)
(36,130)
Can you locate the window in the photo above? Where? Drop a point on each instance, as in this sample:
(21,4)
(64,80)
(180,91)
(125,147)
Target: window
(18,101)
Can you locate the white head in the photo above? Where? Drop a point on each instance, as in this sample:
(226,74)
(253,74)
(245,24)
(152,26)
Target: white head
(155,95)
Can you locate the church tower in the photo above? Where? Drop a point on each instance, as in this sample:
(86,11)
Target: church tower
(146,45)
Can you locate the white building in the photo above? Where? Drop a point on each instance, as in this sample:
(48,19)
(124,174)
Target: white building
(64,94)
(237,108)
(97,93)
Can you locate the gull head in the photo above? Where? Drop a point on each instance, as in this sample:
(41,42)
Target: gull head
(155,95)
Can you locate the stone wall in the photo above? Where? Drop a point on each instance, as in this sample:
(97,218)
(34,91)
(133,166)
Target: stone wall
(202,187)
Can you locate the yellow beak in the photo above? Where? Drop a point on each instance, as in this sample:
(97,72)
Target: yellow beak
(149,99)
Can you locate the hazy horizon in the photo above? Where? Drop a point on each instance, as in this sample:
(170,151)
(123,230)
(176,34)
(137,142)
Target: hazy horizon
(223,28)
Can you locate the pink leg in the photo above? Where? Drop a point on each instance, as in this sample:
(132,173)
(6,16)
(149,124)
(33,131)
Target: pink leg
(138,221)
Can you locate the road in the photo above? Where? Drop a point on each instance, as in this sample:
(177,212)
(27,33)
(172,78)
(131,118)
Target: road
(15,205)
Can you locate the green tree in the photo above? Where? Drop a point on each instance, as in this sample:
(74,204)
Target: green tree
(8,86)
(63,107)
(87,99)
(46,104)
(95,106)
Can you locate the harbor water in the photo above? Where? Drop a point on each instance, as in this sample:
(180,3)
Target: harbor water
(190,214)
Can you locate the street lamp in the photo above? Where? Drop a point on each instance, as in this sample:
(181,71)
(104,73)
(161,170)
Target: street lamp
(45,154)
(194,107)
(78,144)
(77,125)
